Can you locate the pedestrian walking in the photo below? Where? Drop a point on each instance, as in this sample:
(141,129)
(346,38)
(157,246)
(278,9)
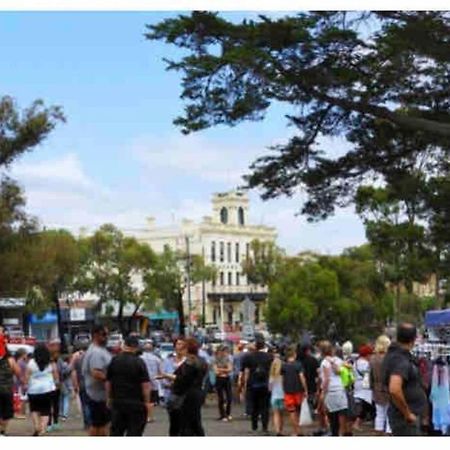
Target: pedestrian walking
(332,390)
(294,387)
(41,380)
(128,391)
(362,390)
(66,387)
(256,368)
(79,387)
(223,368)
(153,365)
(379,390)
(407,410)
(8,369)
(21,358)
(55,348)
(95,365)
(276,394)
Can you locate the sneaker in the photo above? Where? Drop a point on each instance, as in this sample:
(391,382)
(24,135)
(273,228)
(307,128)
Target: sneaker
(225,419)
(230,418)
(56,427)
(50,428)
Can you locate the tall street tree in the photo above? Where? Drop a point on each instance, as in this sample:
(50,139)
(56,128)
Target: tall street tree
(338,72)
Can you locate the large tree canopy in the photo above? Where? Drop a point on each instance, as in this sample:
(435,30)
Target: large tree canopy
(343,73)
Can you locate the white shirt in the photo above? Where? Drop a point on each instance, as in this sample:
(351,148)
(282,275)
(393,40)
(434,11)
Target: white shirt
(361,368)
(40,382)
(331,363)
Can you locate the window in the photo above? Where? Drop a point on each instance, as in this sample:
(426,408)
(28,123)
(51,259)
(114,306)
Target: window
(229,252)
(224,215)
(230,278)
(213,251)
(215,315)
(221,279)
(222,252)
(241,216)
(237,251)
(238,278)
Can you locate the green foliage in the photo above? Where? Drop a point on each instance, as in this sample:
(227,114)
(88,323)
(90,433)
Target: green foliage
(263,263)
(361,76)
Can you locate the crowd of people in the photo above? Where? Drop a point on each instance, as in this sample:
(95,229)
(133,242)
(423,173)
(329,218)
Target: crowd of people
(325,384)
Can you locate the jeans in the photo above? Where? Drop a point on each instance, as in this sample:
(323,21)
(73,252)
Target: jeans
(85,408)
(223,386)
(381,419)
(64,402)
(260,400)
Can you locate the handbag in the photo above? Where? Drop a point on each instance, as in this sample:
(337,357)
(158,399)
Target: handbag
(305,414)
(175,402)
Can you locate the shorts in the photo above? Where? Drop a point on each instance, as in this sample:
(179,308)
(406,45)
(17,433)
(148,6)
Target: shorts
(40,403)
(6,405)
(277,403)
(293,402)
(100,413)
(154,397)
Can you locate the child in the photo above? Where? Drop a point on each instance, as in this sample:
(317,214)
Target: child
(295,389)
(276,394)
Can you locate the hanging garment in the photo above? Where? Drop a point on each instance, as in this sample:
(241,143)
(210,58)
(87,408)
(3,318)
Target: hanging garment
(440,397)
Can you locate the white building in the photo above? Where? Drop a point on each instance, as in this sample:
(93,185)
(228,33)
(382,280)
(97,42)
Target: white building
(224,241)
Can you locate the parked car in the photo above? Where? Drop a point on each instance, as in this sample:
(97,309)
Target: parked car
(166,349)
(82,339)
(114,342)
(12,348)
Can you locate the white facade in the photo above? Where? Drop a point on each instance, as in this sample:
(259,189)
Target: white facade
(223,239)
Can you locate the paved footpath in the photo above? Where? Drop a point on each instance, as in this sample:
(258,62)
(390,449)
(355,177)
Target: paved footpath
(239,426)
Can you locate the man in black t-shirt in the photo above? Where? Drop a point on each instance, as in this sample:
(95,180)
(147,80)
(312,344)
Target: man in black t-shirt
(256,368)
(408,400)
(128,390)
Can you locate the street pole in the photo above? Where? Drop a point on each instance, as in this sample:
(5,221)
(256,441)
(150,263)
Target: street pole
(203,295)
(188,283)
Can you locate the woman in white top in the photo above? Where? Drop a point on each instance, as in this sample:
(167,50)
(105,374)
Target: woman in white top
(276,394)
(332,390)
(362,390)
(42,377)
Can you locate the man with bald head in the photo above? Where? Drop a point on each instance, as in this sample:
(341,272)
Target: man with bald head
(408,400)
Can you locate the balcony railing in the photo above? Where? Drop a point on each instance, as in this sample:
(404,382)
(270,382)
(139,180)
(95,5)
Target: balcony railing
(233,289)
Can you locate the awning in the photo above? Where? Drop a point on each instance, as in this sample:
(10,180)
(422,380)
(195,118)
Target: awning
(47,318)
(162,315)
(437,318)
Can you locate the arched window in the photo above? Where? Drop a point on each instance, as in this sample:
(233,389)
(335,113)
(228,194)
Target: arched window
(238,278)
(213,251)
(229,251)
(224,215)
(237,251)
(230,278)
(241,220)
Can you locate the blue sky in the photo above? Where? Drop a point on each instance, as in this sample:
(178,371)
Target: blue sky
(119,158)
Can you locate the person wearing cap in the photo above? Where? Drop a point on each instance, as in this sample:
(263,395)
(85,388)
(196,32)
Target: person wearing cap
(362,390)
(128,390)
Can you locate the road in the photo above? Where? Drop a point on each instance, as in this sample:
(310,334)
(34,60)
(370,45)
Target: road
(239,426)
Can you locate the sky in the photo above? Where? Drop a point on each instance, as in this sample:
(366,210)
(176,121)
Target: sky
(119,158)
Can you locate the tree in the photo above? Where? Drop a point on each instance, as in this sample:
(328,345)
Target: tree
(114,267)
(20,132)
(340,72)
(302,298)
(263,263)
(168,279)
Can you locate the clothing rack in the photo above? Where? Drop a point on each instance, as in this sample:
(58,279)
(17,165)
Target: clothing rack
(432,350)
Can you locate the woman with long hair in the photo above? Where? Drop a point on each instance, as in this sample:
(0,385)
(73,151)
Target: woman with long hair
(41,378)
(380,393)
(276,394)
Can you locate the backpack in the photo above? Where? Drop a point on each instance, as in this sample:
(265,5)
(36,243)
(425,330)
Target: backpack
(260,375)
(347,377)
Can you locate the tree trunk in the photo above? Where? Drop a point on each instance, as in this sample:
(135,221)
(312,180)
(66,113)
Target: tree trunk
(180,311)
(130,319)
(55,301)
(120,318)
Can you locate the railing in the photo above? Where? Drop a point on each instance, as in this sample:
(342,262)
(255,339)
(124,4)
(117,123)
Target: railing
(237,289)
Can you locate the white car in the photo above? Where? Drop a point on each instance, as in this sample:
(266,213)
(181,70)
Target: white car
(166,349)
(13,348)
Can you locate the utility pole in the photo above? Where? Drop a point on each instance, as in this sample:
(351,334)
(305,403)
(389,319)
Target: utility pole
(188,283)
(203,295)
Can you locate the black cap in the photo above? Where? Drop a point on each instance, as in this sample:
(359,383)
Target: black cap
(132,341)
